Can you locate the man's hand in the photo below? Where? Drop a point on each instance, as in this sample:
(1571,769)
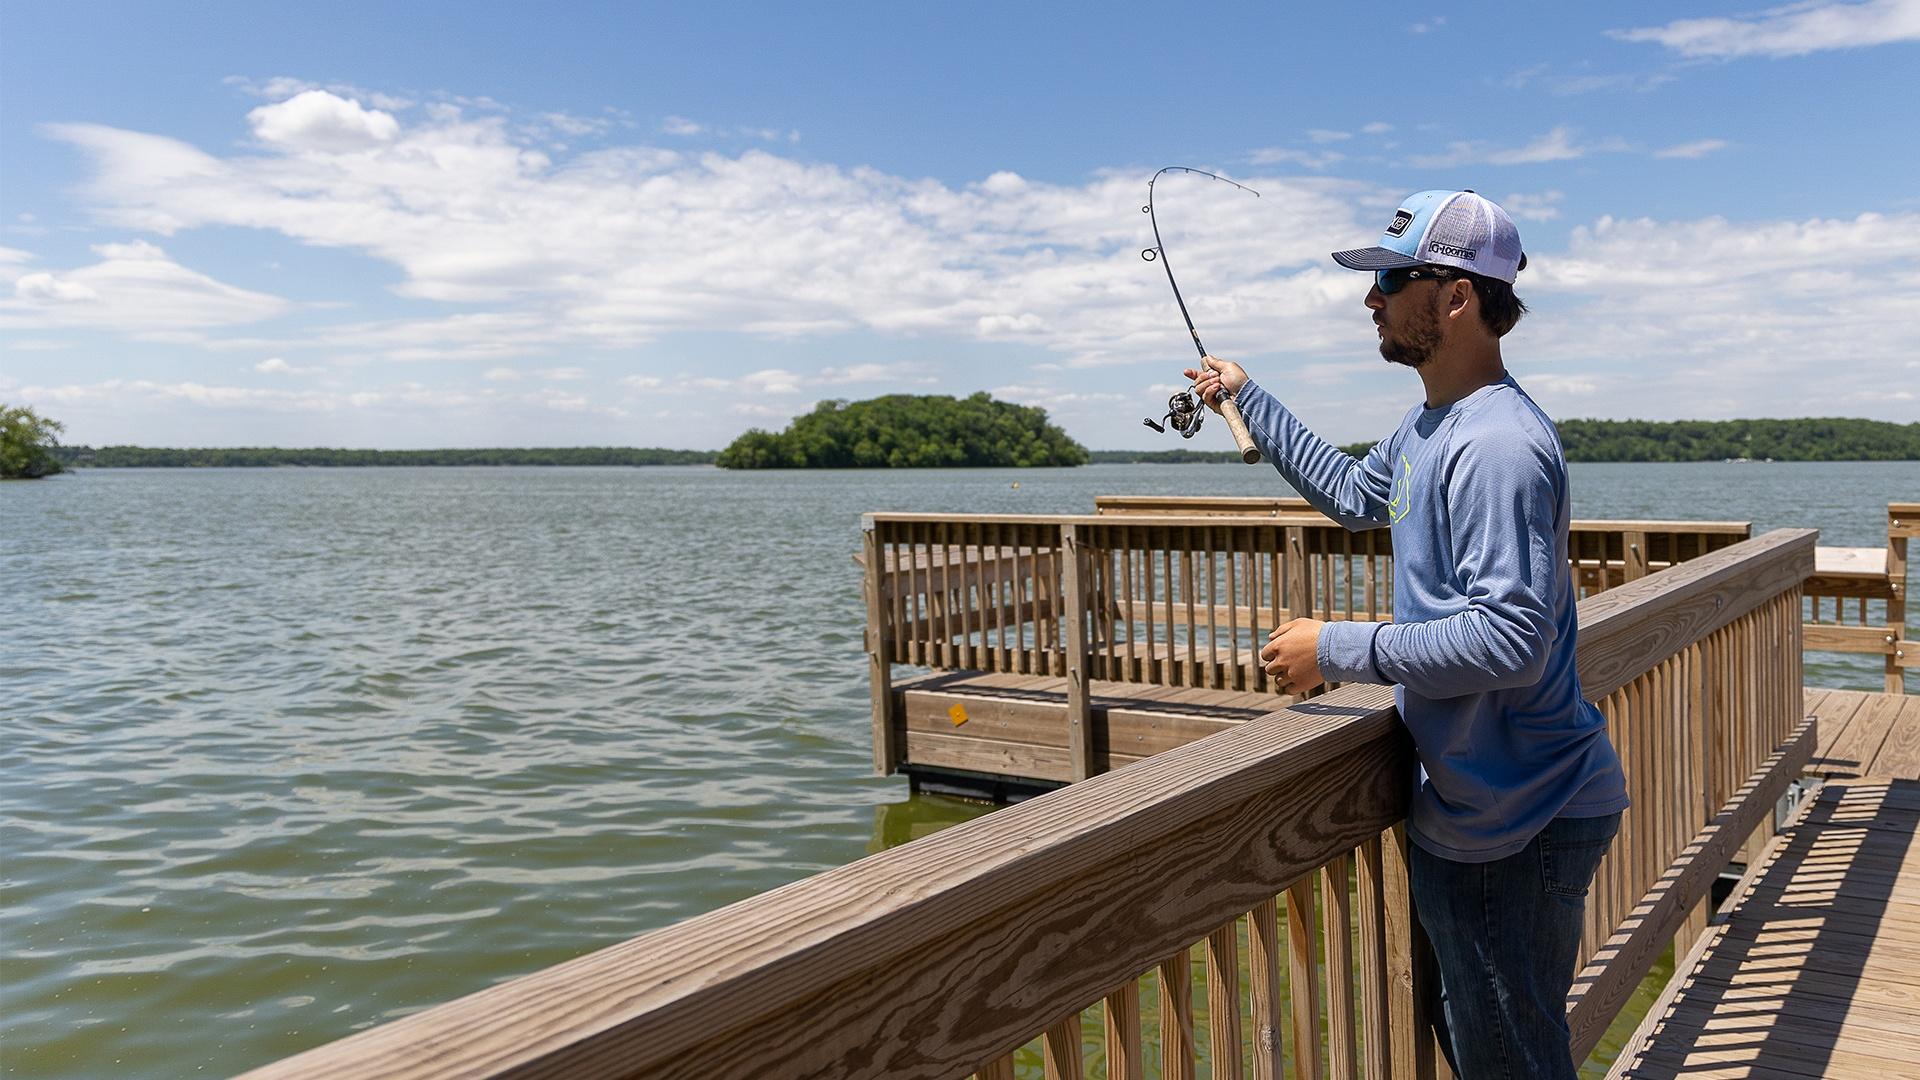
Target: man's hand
(1292,655)
(1212,376)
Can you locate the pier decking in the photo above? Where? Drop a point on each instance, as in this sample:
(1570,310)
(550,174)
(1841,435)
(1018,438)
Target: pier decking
(1816,970)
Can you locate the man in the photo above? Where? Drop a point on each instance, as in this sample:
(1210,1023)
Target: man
(1519,792)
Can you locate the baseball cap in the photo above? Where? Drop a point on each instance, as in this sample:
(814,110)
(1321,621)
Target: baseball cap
(1445,228)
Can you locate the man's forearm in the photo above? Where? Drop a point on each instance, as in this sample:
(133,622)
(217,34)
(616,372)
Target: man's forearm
(1333,480)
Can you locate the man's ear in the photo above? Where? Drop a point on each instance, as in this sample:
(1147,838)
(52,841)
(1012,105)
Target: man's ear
(1459,297)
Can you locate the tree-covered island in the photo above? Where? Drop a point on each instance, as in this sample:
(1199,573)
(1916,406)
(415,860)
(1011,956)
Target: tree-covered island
(905,431)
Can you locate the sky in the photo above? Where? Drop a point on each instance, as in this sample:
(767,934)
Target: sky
(502,224)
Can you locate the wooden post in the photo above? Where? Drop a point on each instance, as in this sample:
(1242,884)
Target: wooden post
(1079,693)
(1300,575)
(1223,1001)
(886,748)
(1634,549)
(1123,1033)
(1903,522)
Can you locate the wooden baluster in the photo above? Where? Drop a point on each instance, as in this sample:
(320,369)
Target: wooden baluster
(1172,671)
(1263,967)
(948,658)
(1187,592)
(1213,609)
(1123,1033)
(1303,978)
(1337,918)
(1060,1049)
(1132,669)
(1176,1017)
(1371,887)
(999,1069)
(1223,1001)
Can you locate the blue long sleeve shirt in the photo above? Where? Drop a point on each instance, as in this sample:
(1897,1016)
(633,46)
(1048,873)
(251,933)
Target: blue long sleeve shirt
(1481,647)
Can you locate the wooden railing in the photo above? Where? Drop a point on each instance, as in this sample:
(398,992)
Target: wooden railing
(1857,600)
(1139,594)
(1068,925)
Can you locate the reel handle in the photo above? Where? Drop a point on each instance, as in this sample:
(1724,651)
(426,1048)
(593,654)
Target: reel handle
(1230,410)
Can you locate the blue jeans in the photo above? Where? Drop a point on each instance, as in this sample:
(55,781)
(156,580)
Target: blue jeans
(1506,935)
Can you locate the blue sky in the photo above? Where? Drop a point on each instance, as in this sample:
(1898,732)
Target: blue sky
(488,224)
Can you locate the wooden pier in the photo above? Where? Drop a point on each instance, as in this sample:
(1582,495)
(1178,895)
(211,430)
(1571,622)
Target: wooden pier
(1052,648)
(1228,892)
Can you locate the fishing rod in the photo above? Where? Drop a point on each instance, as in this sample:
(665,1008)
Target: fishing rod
(1184,412)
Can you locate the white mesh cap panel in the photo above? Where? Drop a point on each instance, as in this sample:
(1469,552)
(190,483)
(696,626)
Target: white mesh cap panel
(1474,234)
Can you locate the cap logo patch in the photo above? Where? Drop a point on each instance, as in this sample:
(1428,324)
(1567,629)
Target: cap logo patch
(1436,247)
(1401,219)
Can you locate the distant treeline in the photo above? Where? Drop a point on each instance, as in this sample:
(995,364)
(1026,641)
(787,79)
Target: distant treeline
(1673,440)
(904,431)
(150,457)
(909,431)
(1824,439)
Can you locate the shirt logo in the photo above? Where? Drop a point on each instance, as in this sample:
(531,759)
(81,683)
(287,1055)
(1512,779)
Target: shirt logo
(1401,219)
(1402,503)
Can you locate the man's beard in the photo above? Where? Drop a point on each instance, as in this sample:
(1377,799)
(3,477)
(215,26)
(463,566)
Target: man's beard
(1415,344)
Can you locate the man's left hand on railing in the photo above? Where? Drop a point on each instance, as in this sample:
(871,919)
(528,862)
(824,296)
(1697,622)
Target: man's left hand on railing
(1292,656)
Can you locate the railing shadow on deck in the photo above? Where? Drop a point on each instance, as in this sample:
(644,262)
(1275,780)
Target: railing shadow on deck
(943,956)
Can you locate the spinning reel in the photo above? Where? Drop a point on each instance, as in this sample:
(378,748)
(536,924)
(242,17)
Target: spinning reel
(1184,415)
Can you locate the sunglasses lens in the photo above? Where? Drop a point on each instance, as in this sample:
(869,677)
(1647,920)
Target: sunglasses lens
(1389,281)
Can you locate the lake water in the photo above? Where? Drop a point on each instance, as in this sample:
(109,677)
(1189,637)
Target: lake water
(287,753)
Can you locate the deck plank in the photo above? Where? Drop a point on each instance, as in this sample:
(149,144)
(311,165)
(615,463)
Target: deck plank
(1899,756)
(1836,711)
(1856,748)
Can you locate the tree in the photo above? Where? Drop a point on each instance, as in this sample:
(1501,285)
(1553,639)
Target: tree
(27,443)
(903,431)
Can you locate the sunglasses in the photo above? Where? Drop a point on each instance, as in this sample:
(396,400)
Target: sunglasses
(1392,281)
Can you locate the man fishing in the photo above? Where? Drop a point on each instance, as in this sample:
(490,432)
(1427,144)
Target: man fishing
(1519,791)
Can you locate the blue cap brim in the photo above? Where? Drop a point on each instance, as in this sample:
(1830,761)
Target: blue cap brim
(1374,258)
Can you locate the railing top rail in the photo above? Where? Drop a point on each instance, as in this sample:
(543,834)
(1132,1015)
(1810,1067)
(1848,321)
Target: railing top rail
(1135,859)
(1268,506)
(1312,518)
(1111,521)
(1627,630)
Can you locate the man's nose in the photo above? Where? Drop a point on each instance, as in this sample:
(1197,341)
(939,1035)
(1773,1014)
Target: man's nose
(1376,300)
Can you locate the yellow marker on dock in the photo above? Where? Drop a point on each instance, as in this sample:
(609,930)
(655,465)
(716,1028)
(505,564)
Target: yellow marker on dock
(959,714)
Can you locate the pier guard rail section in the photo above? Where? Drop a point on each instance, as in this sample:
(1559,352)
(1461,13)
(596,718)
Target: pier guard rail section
(1139,595)
(1857,599)
(1071,921)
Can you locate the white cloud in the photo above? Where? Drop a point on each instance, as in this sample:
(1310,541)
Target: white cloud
(642,382)
(1426,26)
(146,393)
(318,120)
(616,247)
(1533,207)
(134,287)
(1697,149)
(1792,30)
(564,374)
(1556,145)
(1378,127)
(275,365)
(680,125)
(1322,135)
(501,374)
